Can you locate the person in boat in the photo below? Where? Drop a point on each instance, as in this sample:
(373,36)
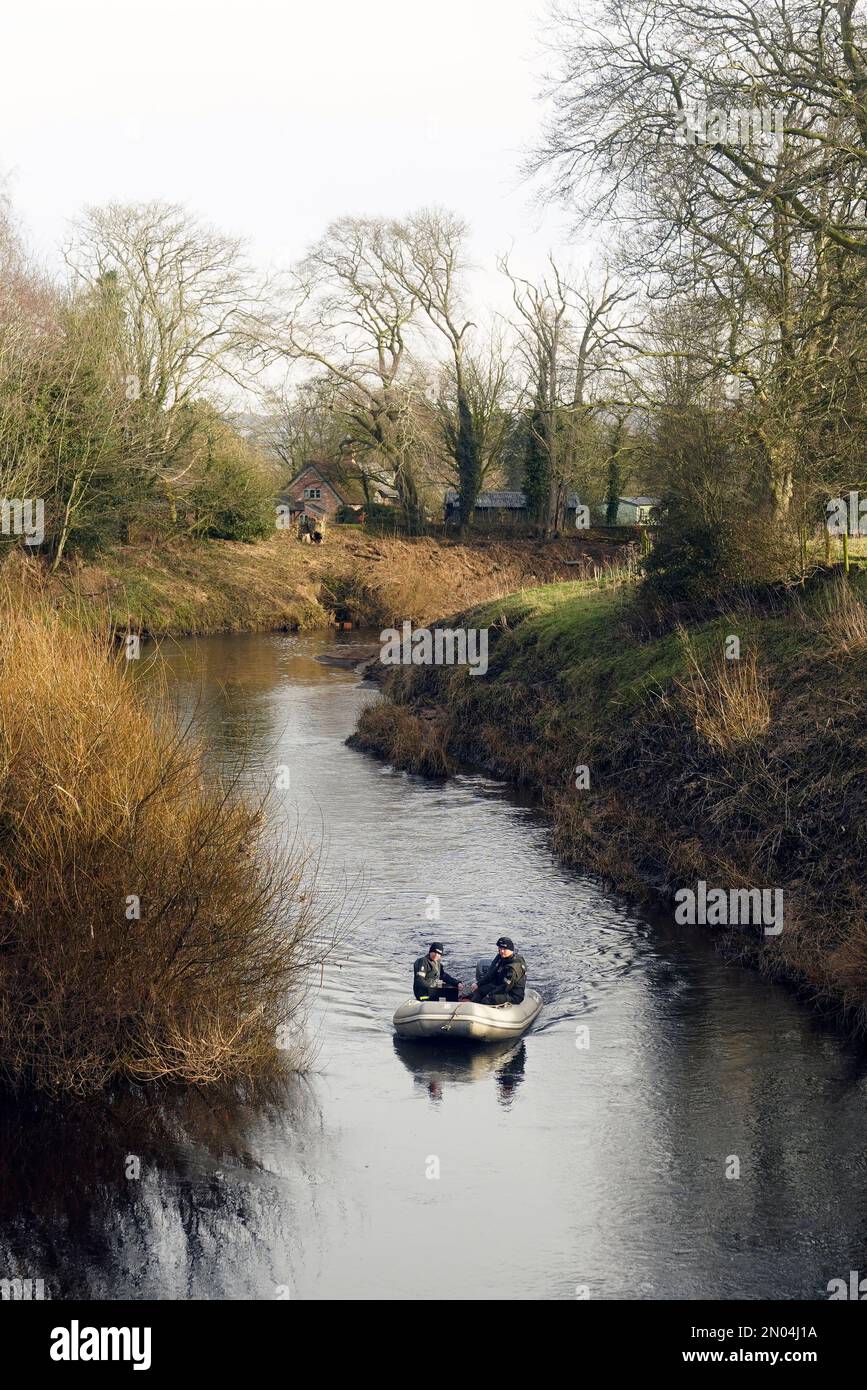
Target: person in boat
(429,980)
(504,980)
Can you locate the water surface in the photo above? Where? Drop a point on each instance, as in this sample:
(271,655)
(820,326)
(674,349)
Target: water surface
(407,1171)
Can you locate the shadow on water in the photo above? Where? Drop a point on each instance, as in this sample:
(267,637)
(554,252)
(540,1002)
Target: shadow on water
(133,1195)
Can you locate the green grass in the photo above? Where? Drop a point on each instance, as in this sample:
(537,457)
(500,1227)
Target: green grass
(577,635)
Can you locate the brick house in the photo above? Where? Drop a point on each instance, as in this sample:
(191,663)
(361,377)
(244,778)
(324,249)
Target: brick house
(319,492)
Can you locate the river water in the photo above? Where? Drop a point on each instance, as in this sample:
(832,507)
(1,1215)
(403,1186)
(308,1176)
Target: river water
(596,1158)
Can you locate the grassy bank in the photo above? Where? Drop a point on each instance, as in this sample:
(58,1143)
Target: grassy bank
(192,587)
(743,773)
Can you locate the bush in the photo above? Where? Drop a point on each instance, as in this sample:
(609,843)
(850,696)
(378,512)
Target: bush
(688,560)
(381,520)
(233,502)
(102,805)
(696,558)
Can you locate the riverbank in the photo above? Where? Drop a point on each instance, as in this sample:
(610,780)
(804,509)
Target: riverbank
(663,764)
(189,588)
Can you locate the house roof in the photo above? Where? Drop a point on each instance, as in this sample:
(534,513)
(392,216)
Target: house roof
(347,487)
(501,499)
(640,501)
(514,501)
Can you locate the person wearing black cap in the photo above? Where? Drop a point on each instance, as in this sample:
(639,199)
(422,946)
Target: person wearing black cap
(505,979)
(429,980)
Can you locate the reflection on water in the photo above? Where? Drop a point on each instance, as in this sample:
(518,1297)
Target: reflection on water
(437,1065)
(135,1196)
(569,1158)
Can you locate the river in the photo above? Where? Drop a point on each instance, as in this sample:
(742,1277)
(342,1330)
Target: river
(596,1158)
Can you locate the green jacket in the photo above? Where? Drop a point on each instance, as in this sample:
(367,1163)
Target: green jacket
(428,978)
(507,977)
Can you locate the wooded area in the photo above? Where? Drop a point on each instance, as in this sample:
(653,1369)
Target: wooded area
(714,356)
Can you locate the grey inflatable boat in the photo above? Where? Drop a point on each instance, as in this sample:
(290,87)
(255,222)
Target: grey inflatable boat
(435,1018)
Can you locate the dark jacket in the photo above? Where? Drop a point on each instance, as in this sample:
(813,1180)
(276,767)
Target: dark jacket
(428,978)
(506,978)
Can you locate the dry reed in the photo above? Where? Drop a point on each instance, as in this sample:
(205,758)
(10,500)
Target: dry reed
(149,926)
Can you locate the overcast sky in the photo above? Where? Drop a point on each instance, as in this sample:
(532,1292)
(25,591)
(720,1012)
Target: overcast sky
(269,119)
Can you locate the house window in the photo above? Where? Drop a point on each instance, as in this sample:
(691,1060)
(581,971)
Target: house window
(313,493)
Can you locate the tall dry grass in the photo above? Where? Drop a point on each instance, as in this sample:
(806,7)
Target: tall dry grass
(390,588)
(842,618)
(727,701)
(406,738)
(103,803)
(392,580)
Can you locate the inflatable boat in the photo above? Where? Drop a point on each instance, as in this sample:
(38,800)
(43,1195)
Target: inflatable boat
(436,1018)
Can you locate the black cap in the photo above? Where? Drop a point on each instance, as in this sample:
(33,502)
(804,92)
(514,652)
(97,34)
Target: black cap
(436,946)
(507,942)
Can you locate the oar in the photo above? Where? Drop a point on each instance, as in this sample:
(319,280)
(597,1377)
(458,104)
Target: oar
(448,1025)
(452,1019)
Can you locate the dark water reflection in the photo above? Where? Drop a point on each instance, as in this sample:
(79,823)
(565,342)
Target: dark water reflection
(402,1171)
(436,1067)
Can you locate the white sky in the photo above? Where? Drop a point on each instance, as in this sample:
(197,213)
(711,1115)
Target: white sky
(269,119)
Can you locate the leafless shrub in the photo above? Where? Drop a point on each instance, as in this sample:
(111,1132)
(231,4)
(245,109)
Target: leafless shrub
(106,810)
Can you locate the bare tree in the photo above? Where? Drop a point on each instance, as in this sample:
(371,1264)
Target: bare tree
(304,421)
(30,329)
(188,299)
(426,257)
(569,335)
(730,144)
(349,316)
(488,393)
